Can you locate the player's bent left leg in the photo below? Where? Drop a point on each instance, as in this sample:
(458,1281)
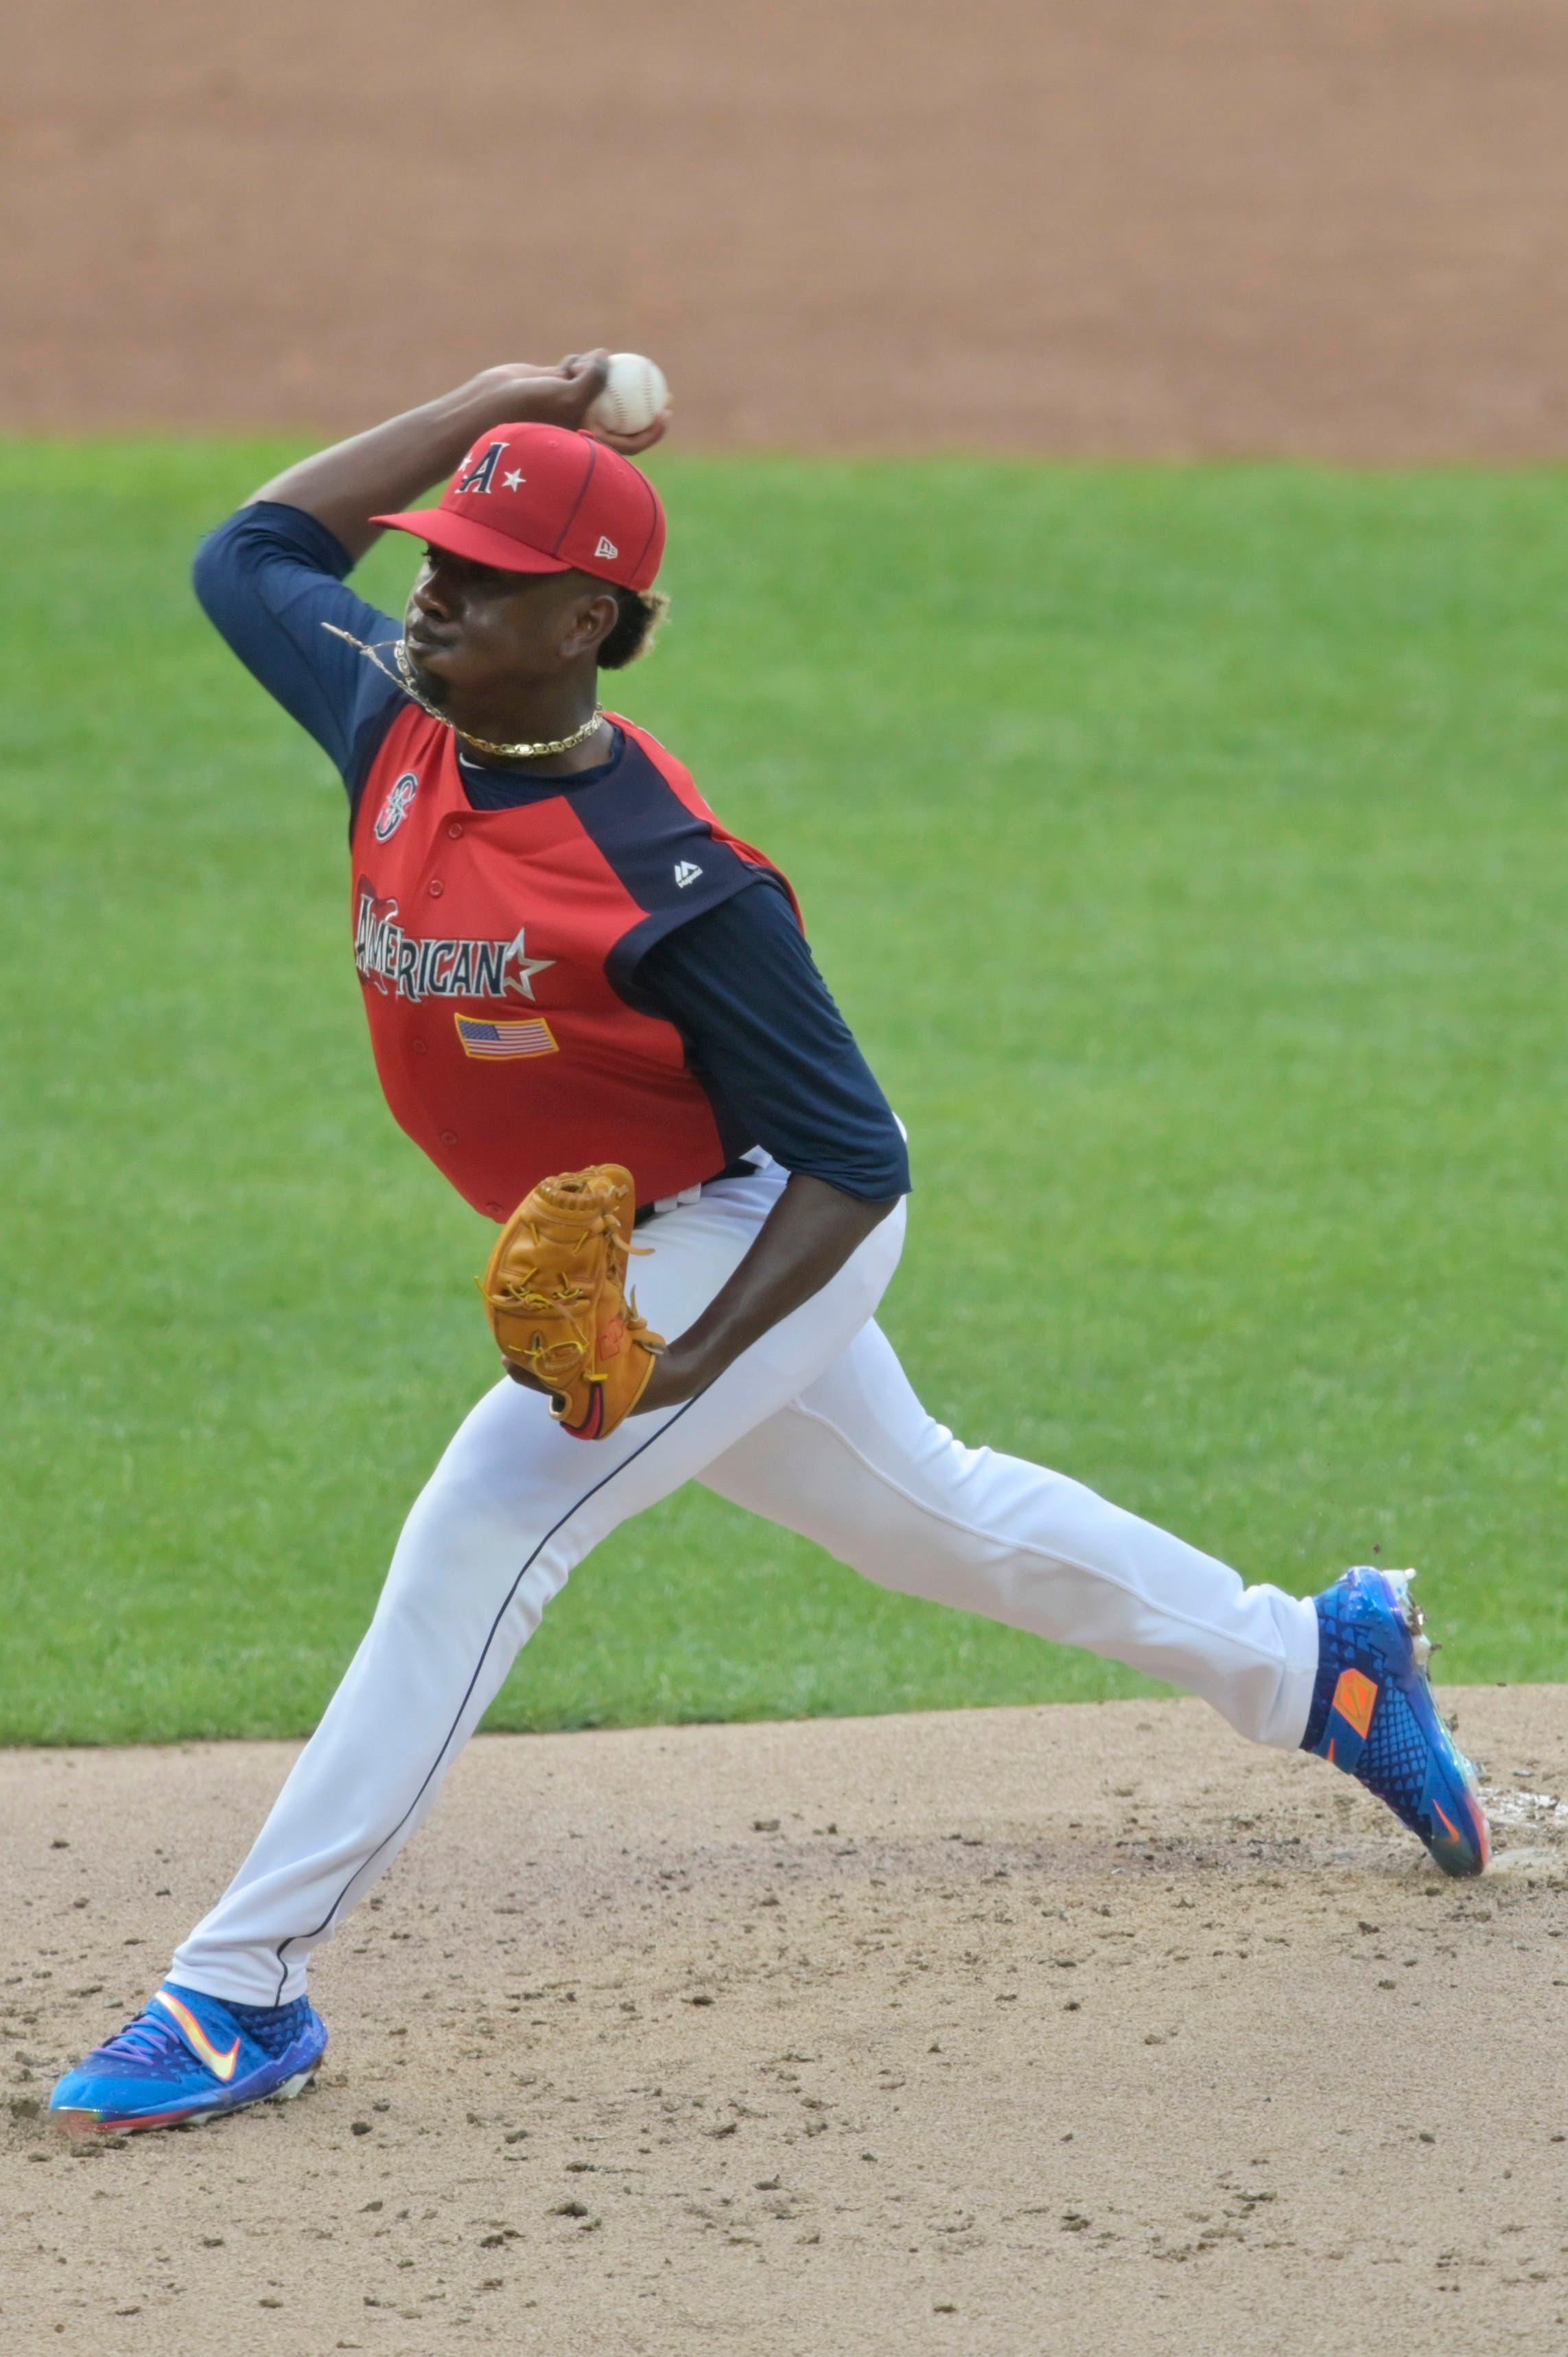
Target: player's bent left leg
(857,1464)
(514,1504)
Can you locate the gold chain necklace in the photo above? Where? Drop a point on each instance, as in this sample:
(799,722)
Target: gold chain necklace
(403,677)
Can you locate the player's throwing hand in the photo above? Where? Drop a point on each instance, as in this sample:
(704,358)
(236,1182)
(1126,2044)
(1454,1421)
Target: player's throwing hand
(565,394)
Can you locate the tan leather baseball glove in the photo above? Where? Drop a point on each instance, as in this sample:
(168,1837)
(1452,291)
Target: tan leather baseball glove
(555,1291)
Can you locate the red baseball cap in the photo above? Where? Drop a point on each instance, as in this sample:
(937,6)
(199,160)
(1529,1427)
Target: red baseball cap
(539,499)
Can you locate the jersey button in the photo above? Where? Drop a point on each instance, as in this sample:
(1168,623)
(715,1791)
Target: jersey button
(495,1211)
(436,888)
(419,1047)
(455,831)
(448,1138)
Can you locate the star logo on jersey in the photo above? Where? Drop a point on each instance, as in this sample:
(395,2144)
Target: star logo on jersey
(520,968)
(396,807)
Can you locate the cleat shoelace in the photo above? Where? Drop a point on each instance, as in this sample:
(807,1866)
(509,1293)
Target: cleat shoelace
(146,2040)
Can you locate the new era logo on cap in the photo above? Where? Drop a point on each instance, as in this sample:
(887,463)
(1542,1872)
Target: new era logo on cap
(539,499)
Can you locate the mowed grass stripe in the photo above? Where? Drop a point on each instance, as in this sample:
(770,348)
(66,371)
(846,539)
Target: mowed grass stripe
(1185,846)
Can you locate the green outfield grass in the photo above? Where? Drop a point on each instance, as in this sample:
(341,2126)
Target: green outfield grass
(1187,847)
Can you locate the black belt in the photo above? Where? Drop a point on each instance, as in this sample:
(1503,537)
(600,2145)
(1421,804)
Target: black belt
(738,1169)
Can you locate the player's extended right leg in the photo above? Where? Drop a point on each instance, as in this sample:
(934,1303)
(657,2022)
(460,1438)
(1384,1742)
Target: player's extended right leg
(857,1464)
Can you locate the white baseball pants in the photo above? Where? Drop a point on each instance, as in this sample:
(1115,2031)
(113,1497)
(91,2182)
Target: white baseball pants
(817,1429)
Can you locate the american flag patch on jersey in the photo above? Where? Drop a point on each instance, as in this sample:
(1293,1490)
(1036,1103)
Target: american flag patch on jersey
(529,1036)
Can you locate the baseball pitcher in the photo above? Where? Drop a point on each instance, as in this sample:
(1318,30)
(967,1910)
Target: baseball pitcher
(596,1009)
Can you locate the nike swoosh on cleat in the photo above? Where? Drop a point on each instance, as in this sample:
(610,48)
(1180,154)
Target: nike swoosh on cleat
(222,2066)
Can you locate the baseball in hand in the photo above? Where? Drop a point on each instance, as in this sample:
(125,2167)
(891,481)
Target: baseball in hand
(634,394)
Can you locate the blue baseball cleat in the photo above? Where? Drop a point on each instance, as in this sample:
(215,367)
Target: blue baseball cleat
(1373,1714)
(190,2057)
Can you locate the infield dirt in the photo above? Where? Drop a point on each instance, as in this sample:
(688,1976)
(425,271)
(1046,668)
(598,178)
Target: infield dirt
(1220,226)
(1032,2032)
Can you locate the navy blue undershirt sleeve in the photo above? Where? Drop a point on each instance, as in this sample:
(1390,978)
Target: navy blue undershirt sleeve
(267,580)
(771,1046)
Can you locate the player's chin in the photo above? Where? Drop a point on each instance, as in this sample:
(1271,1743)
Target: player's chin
(429,677)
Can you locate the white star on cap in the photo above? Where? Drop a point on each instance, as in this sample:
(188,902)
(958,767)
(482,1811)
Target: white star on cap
(514,481)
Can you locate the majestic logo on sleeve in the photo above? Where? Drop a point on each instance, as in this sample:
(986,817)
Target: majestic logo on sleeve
(400,964)
(396,807)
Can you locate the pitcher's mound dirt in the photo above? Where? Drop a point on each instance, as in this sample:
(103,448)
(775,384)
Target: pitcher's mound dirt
(1019,2031)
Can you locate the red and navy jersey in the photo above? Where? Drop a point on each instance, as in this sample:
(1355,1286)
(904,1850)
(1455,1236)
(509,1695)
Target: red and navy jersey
(498,950)
(556,970)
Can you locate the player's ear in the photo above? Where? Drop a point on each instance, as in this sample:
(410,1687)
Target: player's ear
(589,621)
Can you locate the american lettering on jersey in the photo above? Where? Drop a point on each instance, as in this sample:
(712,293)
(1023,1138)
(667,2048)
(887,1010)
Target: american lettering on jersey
(418,968)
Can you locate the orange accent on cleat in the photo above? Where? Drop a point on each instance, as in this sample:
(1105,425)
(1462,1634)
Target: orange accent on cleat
(1356,1698)
(1480,1836)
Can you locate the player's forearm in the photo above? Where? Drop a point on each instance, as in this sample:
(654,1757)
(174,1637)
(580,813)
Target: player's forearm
(393,463)
(806,1238)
